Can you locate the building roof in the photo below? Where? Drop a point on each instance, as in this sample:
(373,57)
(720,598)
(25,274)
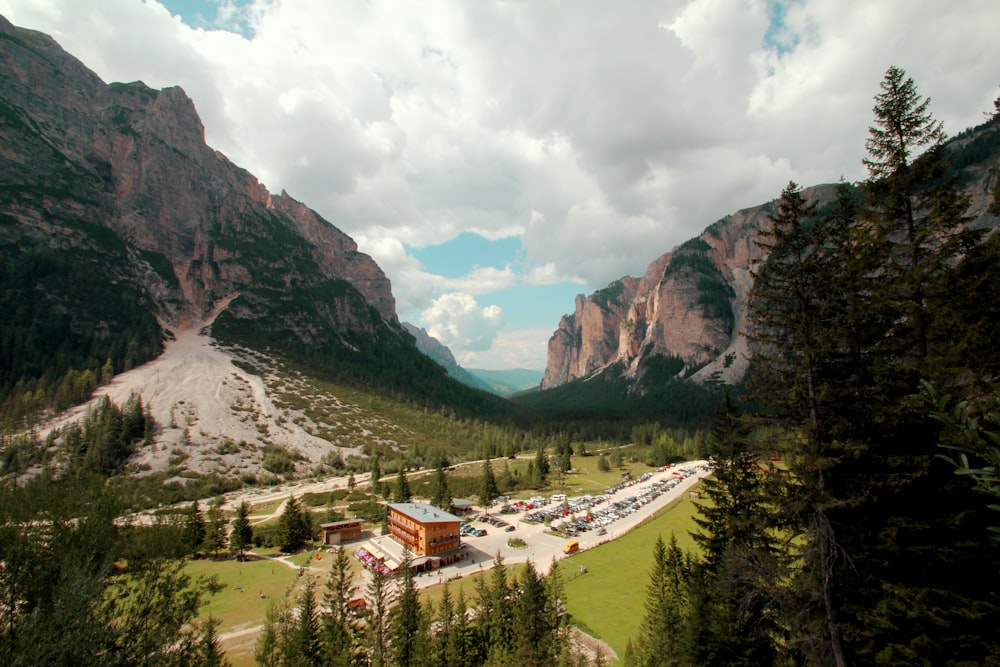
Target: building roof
(424,513)
(338,524)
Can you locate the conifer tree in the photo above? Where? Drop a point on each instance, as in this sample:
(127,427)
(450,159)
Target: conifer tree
(406,620)
(210,653)
(730,616)
(666,608)
(441,494)
(339,632)
(215,528)
(267,649)
(788,355)
(194,528)
(533,627)
(459,651)
(294,526)
(402,494)
(488,490)
(541,466)
(241,536)
(376,474)
(442,653)
(306,634)
(379,599)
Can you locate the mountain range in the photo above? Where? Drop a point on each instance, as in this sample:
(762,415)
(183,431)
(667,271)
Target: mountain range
(122,232)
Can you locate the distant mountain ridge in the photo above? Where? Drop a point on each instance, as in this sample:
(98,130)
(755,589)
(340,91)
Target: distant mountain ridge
(501,383)
(512,381)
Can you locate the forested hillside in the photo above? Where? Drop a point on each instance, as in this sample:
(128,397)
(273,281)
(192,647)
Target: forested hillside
(871,543)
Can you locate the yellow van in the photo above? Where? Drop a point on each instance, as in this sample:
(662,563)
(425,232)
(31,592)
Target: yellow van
(570,547)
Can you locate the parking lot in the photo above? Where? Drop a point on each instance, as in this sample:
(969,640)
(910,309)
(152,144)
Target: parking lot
(612,514)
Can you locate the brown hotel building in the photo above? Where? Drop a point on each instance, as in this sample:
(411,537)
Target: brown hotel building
(424,529)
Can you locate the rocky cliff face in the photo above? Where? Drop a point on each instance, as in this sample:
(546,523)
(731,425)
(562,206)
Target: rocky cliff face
(126,167)
(690,305)
(687,305)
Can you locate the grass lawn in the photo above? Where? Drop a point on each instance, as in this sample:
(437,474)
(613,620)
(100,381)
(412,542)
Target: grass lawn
(248,589)
(239,603)
(261,510)
(607,601)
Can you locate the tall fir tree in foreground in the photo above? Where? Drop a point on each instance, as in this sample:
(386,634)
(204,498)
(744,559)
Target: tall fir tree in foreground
(340,633)
(660,642)
(851,310)
(407,626)
(730,620)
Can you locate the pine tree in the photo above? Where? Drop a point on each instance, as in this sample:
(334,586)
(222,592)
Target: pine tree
(294,526)
(850,311)
(268,648)
(541,467)
(406,621)
(241,536)
(306,634)
(533,626)
(442,652)
(789,290)
(488,490)
(215,528)
(459,650)
(194,529)
(441,494)
(376,474)
(379,600)
(339,632)
(730,615)
(402,494)
(210,653)
(663,625)
(919,213)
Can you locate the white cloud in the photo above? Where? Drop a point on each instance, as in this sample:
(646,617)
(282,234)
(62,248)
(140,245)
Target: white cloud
(458,321)
(601,134)
(521,348)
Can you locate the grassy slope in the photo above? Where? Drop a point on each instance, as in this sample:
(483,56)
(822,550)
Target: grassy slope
(607,601)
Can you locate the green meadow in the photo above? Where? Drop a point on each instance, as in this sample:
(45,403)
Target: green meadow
(607,601)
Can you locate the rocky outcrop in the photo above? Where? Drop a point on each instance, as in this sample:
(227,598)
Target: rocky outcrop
(181,220)
(688,305)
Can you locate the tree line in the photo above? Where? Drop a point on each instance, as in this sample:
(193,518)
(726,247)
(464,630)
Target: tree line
(513,620)
(865,546)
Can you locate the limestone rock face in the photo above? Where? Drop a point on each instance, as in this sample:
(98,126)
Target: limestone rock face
(688,305)
(79,155)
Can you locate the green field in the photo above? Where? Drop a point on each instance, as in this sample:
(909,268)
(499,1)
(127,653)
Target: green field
(607,601)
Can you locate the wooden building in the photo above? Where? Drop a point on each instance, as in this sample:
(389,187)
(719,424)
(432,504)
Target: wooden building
(424,529)
(341,531)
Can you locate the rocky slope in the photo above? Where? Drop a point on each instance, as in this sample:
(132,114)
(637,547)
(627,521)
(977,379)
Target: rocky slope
(191,227)
(122,231)
(690,303)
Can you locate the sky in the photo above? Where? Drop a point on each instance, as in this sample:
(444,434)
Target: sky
(499,157)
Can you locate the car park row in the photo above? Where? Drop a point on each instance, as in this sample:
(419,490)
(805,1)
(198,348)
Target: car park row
(590,519)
